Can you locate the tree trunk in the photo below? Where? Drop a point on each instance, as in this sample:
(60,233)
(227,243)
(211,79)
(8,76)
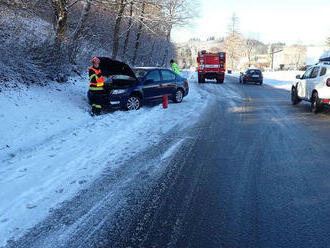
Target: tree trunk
(80,27)
(116,37)
(129,29)
(138,35)
(61,22)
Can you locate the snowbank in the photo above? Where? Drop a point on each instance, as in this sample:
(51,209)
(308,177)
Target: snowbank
(281,79)
(50,147)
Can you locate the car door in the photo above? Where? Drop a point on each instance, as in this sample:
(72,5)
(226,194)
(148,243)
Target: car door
(151,86)
(312,81)
(169,82)
(301,85)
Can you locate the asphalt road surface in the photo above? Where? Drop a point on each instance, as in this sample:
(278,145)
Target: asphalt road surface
(254,172)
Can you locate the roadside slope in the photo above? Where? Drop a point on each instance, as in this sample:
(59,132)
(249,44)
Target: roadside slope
(51,148)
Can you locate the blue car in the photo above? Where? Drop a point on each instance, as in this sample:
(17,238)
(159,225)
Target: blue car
(130,89)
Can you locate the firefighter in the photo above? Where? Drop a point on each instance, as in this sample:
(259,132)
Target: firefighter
(175,67)
(96,87)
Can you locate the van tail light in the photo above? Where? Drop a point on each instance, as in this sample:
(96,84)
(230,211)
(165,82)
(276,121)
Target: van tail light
(328,82)
(247,76)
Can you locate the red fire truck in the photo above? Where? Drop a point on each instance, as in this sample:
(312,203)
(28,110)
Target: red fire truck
(211,66)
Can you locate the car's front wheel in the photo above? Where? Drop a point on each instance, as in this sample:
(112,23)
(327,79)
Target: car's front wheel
(316,106)
(133,103)
(294,96)
(178,97)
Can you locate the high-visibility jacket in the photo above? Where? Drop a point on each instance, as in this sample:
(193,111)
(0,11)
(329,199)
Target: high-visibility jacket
(175,68)
(96,80)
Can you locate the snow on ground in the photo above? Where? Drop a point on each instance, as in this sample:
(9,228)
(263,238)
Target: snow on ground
(278,79)
(50,147)
(281,79)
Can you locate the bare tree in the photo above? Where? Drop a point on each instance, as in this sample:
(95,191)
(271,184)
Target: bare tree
(234,43)
(121,5)
(130,23)
(60,20)
(295,55)
(139,32)
(233,26)
(234,48)
(79,28)
(250,48)
(178,12)
(327,42)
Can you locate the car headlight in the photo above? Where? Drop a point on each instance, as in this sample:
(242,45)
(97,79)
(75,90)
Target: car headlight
(118,92)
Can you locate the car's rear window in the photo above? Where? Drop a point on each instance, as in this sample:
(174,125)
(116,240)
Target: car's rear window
(255,72)
(323,71)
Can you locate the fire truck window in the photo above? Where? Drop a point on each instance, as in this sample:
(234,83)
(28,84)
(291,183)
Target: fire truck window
(168,75)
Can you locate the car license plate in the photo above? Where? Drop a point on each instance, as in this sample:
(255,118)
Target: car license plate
(255,76)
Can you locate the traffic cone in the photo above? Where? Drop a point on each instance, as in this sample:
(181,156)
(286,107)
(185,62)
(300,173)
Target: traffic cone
(165,102)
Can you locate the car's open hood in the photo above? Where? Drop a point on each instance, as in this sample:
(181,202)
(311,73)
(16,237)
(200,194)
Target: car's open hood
(110,67)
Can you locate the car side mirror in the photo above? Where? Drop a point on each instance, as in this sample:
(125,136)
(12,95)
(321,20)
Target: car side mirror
(298,77)
(149,81)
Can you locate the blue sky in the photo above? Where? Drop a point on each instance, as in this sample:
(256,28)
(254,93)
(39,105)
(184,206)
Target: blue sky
(289,21)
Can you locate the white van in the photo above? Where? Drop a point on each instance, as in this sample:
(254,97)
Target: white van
(313,86)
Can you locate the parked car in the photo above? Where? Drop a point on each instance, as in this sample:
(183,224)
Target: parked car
(313,86)
(251,76)
(131,88)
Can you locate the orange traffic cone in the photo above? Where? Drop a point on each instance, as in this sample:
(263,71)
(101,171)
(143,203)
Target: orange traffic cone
(165,102)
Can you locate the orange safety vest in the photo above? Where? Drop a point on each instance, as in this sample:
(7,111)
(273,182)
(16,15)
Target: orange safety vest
(99,80)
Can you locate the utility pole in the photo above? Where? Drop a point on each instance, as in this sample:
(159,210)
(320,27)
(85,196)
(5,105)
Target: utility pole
(272,55)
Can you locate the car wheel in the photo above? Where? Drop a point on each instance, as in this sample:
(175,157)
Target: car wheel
(133,103)
(178,97)
(220,81)
(201,79)
(315,104)
(294,96)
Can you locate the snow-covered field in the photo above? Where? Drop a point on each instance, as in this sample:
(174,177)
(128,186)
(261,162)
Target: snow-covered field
(50,147)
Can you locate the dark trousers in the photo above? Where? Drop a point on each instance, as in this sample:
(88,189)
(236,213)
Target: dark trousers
(98,99)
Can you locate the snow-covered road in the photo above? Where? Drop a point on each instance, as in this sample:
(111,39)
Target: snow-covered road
(51,148)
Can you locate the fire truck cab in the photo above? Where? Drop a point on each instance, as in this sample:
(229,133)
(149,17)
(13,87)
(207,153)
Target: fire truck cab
(211,66)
